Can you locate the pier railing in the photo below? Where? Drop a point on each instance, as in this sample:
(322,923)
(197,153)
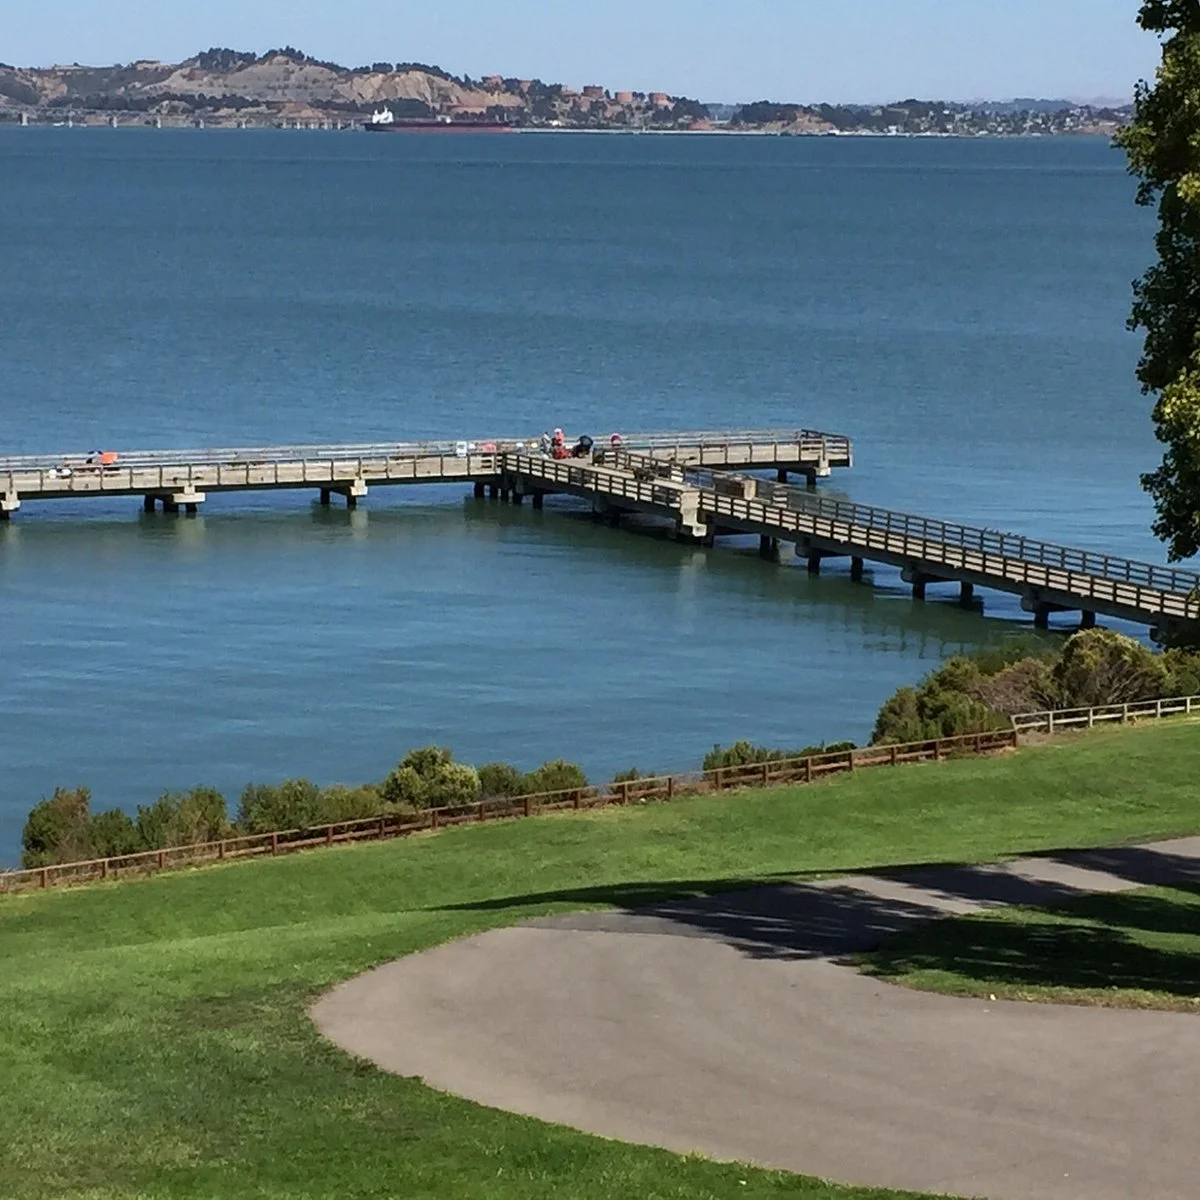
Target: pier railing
(808,769)
(990,552)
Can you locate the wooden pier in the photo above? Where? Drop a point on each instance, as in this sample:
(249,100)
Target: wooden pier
(181,480)
(699,482)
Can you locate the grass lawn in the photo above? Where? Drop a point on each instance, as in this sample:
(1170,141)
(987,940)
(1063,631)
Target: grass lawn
(153,1036)
(1138,949)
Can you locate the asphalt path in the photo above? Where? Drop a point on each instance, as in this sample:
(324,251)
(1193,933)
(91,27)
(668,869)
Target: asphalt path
(732,1026)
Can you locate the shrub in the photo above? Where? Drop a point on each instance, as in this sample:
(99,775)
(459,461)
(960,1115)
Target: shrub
(630,776)
(58,829)
(340,803)
(945,704)
(1099,666)
(744,754)
(555,775)
(182,819)
(500,779)
(430,778)
(293,804)
(114,834)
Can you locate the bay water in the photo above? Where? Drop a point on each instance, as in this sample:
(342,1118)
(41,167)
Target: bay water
(957,307)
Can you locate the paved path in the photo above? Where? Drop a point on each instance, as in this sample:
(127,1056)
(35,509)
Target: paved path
(727,1025)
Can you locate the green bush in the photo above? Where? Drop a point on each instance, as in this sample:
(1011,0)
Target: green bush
(744,754)
(114,834)
(293,804)
(430,778)
(555,775)
(182,819)
(500,779)
(630,776)
(58,829)
(945,704)
(1098,666)
(340,803)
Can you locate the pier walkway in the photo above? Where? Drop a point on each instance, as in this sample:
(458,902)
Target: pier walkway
(1049,578)
(180,480)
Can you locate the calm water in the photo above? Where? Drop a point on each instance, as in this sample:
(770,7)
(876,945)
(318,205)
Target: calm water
(956,307)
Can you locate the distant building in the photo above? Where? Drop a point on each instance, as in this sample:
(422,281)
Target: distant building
(493,81)
(467,110)
(624,97)
(592,92)
(660,99)
(523,85)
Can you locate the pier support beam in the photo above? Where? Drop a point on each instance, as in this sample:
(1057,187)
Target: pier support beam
(480,489)
(9,503)
(1087,620)
(856,570)
(148,503)
(814,562)
(810,478)
(781,476)
(326,497)
(768,548)
(539,499)
(918,587)
(1041,616)
(493,491)
(966,593)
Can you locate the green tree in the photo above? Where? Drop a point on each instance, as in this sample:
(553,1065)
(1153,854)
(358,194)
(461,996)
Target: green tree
(58,829)
(500,779)
(430,778)
(293,804)
(555,775)
(1099,666)
(183,819)
(1163,147)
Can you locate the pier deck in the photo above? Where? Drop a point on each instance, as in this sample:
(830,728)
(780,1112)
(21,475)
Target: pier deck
(184,479)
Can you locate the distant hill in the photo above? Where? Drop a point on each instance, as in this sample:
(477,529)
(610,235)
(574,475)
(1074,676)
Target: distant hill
(285,86)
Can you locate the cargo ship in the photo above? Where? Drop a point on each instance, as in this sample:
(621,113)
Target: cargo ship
(384,121)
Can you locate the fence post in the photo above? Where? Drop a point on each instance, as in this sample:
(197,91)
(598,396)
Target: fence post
(670,787)
(1124,714)
(1050,721)
(528,806)
(808,769)
(1158,708)
(221,850)
(893,755)
(576,798)
(937,750)
(482,812)
(274,843)
(162,859)
(766,774)
(382,828)
(329,835)
(104,868)
(720,779)
(433,818)
(849,760)
(979,743)
(44,878)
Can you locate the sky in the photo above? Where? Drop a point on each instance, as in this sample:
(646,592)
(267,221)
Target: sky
(736,50)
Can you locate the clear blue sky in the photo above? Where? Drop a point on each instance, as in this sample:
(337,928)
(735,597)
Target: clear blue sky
(805,50)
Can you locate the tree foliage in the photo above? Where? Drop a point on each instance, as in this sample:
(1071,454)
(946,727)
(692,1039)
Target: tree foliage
(430,778)
(1163,147)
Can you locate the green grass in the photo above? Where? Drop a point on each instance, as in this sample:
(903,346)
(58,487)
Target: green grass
(153,1036)
(1137,949)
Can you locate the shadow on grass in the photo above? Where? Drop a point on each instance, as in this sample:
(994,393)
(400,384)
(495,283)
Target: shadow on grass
(791,919)
(1093,945)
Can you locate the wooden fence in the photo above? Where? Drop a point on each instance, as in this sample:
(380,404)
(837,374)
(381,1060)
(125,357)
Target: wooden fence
(663,787)
(1086,718)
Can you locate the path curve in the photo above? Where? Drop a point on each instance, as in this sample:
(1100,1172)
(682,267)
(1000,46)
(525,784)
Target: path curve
(727,1026)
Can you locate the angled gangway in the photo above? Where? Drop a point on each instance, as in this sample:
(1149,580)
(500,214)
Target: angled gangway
(1048,577)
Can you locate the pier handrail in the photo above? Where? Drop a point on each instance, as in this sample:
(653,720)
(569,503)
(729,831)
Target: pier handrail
(910,527)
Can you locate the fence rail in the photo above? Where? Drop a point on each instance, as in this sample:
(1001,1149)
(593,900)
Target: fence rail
(1053,720)
(663,787)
